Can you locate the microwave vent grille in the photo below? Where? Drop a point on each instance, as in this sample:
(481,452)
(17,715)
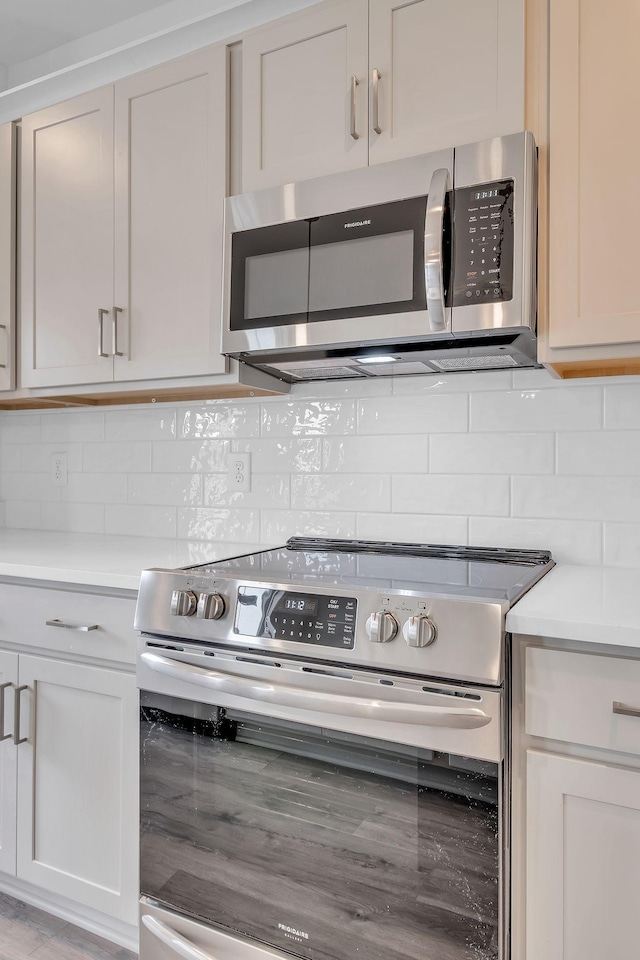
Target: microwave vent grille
(475,363)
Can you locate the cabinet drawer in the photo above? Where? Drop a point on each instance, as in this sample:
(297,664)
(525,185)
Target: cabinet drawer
(571,697)
(24,612)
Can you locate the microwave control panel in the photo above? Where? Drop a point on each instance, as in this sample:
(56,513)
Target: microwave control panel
(483,243)
(316,619)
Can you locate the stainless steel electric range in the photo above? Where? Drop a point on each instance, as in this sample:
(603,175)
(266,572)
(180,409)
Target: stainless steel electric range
(324,753)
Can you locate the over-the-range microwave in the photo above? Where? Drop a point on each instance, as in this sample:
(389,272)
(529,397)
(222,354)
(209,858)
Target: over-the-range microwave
(423,265)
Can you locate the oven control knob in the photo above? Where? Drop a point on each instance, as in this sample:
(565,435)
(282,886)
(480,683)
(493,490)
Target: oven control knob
(183,603)
(419,631)
(381,627)
(210,606)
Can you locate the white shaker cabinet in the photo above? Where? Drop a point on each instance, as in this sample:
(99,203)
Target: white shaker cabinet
(304,95)
(76,783)
(7,254)
(349,83)
(8,762)
(66,264)
(122,199)
(583,859)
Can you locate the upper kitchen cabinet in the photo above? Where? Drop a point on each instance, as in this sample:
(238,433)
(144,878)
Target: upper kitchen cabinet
(7,254)
(583,95)
(122,198)
(349,83)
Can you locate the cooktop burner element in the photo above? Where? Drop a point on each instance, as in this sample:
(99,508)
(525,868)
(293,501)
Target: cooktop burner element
(428,610)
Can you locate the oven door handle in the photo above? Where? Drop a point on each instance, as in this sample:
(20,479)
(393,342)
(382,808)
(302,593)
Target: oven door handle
(179,944)
(284,695)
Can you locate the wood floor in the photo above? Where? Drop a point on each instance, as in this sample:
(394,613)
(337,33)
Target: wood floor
(26,931)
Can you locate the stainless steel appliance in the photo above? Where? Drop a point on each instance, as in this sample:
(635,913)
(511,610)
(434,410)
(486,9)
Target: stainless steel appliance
(420,265)
(323,753)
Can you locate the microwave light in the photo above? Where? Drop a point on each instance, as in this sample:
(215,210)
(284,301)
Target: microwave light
(377,359)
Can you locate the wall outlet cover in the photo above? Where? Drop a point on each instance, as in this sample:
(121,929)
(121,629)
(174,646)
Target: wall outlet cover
(239,471)
(58,469)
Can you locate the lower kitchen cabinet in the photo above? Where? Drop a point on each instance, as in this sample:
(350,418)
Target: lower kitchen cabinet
(583,859)
(69,760)
(576,802)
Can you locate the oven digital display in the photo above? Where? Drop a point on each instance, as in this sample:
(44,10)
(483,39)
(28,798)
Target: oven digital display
(308,618)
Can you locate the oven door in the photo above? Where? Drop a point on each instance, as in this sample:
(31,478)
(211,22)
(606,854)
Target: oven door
(321,811)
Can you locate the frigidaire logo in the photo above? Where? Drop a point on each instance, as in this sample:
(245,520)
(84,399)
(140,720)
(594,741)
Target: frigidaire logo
(357,223)
(292,933)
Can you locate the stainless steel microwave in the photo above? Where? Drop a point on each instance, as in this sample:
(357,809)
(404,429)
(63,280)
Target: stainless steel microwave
(421,265)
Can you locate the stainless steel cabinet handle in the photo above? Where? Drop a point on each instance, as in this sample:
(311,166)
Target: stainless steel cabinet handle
(3,326)
(84,627)
(433,248)
(173,940)
(354,83)
(376,76)
(467,718)
(101,316)
(624,711)
(114,333)
(17,739)
(3,735)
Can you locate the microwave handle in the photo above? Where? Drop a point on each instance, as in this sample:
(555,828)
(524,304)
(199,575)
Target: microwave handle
(433,248)
(464,718)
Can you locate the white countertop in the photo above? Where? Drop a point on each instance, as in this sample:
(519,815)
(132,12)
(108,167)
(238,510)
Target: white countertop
(593,604)
(102,561)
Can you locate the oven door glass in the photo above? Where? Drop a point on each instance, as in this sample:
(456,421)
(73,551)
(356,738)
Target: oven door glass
(323,844)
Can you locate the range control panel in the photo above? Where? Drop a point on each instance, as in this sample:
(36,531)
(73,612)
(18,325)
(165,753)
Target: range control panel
(299,617)
(483,243)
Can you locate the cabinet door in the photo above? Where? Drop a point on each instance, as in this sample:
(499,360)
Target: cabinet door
(7,255)
(77,784)
(66,273)
(594,201)
(298,118)
(170,187)
(8,764)
(450,72)
(583,859)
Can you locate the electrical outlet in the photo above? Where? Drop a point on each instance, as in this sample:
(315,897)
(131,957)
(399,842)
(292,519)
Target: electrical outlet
(58,469)
(239,471)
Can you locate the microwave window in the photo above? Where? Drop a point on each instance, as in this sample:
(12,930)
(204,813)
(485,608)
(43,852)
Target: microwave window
(361,271)
(275,284)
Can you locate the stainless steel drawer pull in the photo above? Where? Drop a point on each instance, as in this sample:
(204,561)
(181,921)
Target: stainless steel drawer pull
(375,79)
(84,627)
(101,316)
(354,83)
(17,739)
(177,943)
(625,711)
(3,735)
(114,333)
(3,326)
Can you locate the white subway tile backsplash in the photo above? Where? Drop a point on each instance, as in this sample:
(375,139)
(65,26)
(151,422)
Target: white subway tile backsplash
(218,523)
(124,457)
(449,494)
(74,517)
(140,521)
(369,454)
(537,409)
(309,417)
(278,525)
(622,406)
(603,453)
(166,489)
(341,492)
(622,544)
(190,456)
(508,458)
(570,541)
(505,453)
(415,415)
(412,527)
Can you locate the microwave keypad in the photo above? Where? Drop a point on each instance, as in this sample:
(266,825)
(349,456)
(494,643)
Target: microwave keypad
(483,237)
